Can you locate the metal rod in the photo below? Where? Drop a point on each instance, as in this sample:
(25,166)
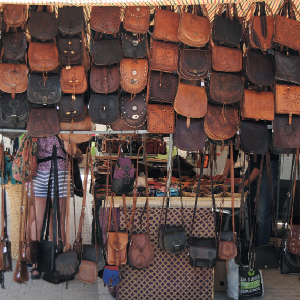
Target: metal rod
(169,167)
(84,132)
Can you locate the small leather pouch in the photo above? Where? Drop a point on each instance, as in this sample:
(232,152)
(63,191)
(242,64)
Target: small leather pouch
(71,110)
(14,45)
(287,67)
(133,75)
(111,253)
(137,19)
(70,51)
(293,241)
(88,271)
(89,253)
(14,15)
(105,79)
(71,19)
(227,250)
(134,45)
(73,80)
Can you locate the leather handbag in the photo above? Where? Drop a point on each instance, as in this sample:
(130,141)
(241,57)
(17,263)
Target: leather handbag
(71,110)
(267,257)
(119,125)
(116,253)
(193,30)
(137,19)
(14,45)
(166,25)
(160,118)
(133,75)
(225,88)
(73,80)
(102,53)
(162,87)
(66,265)
(89,253)
(43,122)
(42,25)
(104,109)
(163,56)
(258,68)
(42,57)
(106,19)
(13,78)
(194,64)
(258,105)
(71,19)
(133,111)
(41,91)
(287,67)
(292,242)
(134,45)
(225,59)
(254,137)
(14,15)
(105,79)
(70,51)
(192,138)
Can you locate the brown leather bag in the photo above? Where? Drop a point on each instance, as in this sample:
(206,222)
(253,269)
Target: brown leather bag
(194,64)
(227,250)
(133,75)
(71,110)
(70,51)
(293,241)
(166,25)
(105,79)
(160,118)
(137,19)
(163,56)
(14,45)
(225,59)
(287,67)
(112,249)
(42,57)
(14,15)
(88,271)
(119,125)
(106,19)
(13,78)
(73,80)
(258,105)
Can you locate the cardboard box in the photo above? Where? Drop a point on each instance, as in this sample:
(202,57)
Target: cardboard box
(220,277)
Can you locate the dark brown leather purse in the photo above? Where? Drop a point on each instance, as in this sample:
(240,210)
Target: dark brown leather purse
(14,15)
(73,80)
(71,19)
(70,51)
(133,75)
(134,45)
(105,79)
(14,45)
(137,19)
(287,67)
(194,64)
(71,110)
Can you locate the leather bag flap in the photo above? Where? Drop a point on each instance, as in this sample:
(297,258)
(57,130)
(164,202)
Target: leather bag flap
(71,109)
(160,118)
(137,19)
(73,80)
(140,241)
(70,19)
(14,15)
(14,45)
(195,61)
(112,240)
(287,99)
(287,67)
(70,50)
(203,249)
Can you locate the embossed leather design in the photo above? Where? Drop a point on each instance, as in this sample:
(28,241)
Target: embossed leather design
(112,246)
(194,64)
(42,57)
(160,118)
(285,135)
(14,45)
(133,111)
(227,250)
(293,241)
(259,68)
(287,67)
(73,80)
(162,86)
(71,110)
(225,88)
(166,25)
(104,109)
(134,45)
(193,30)
(70,19)
(105,79)
(225,59)
(106,19)
(137,19)
(190,101)
(287,99)
(70,51)
(42,91)
(107,52)
(14,15)
(43,122)
(287,32)
(133,75)
(192,138)
(88,271)
(258,105)
(42,25)
(226,32)
(13,78)
(220,123)
(163,56)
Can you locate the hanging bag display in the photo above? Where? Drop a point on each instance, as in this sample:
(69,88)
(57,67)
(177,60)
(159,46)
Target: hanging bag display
(137,19)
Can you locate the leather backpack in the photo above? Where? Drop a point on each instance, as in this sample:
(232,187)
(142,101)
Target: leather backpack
(287,67)
(71,19)
(105,79)
(14,15)
(14,45)
(13,78)
(104,109)
(133,75)
(70,50)
(137,19)
(106,19)
(73,80)
(71,110)
(44,91)
(160,118)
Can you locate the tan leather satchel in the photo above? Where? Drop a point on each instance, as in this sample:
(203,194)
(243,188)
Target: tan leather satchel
(14,15)
(133,74)
(112,248)
(163,56)
(137,19)
(166,25)
(13,78)
(258,105)
(73,80)
(190,101)
(42,57)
